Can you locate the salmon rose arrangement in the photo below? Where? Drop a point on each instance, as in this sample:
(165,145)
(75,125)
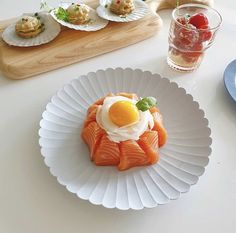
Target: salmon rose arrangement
(125,131)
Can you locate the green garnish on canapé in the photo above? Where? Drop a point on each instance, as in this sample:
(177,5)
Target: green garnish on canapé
(44,6)
(77,7)
(146,103)
(62,14)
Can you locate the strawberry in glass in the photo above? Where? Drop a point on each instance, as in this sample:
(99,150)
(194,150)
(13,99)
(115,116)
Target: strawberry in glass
(190,35)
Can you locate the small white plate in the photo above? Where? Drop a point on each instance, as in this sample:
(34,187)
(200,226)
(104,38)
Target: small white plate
(182,159)
(52,29)
(139,12)
(96,23)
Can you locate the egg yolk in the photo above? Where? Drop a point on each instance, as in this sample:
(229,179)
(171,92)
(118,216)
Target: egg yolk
(123,113)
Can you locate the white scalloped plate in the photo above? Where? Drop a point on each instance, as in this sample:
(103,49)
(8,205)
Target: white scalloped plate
(52,29)
(182,159)
(95,24)
(139,12)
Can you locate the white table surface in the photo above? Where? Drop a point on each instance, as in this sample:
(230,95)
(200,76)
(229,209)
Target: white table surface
(31,200)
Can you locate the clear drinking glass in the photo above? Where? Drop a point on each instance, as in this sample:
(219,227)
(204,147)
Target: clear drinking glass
(188,42)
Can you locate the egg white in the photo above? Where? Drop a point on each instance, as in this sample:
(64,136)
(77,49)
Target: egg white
(119,134)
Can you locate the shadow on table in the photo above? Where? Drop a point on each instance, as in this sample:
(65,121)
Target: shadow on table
(162,68)
(223,103)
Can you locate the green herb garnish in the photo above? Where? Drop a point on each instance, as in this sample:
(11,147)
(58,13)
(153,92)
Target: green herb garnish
(77,7)
(106,5)
(177,3)
(44,6)
(62,14)
(91,21)
(187,16)
(146,103)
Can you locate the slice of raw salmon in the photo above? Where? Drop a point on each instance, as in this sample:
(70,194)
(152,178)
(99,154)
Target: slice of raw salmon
(159,127)
(99,101)
(92,135)
(154,109)
(91,108)
(107,153)
(149,143)
(91,115)
(131,155)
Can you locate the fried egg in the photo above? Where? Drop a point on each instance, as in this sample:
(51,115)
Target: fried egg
(122,120)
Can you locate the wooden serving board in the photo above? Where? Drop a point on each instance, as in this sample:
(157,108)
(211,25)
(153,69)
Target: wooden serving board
(72,46)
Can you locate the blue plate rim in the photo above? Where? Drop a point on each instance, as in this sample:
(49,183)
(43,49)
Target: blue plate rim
(230,79)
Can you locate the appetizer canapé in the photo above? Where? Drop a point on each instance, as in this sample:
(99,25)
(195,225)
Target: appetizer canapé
(78,13)
(29,26)
(124,131)
(122,7)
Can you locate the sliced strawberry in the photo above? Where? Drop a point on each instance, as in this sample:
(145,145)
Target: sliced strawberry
(205,34)
(198,20)
(181,22)
(187,36)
